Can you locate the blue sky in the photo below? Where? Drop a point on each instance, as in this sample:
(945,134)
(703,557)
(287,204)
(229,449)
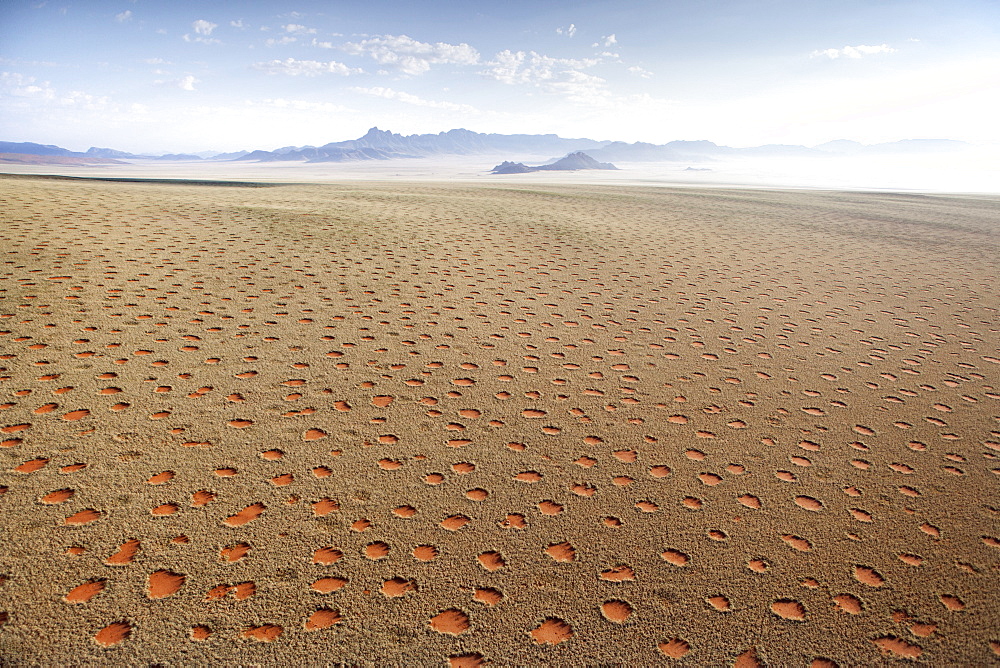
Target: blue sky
(145,75)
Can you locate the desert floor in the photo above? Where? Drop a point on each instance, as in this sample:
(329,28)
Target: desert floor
(422,423)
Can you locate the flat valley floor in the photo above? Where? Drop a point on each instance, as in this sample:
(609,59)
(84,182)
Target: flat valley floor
(450,424)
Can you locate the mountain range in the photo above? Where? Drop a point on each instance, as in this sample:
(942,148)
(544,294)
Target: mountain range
(699,151)
(385,145)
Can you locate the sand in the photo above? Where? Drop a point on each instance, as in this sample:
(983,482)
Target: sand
(452,424)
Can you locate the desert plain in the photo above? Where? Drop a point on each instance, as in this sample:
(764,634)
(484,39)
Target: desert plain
(508,423)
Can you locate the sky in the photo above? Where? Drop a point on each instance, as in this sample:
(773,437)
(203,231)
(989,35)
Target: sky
(185,76)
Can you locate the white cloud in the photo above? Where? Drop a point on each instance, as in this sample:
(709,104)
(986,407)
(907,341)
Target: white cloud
(19,85)
(41,93)
(610,40)
(238,24)
(400,96)
(411,56)
(124,16)
(532,68)
(853,51)
(201,40)
(638,71)
(299,29)
(298,105)
(81,100)
(569,32)
(562,76)
(309,68)
(279,41)
(322,45)
(156,61)
(187,82)
(203,27)
(580,87)
(29,63)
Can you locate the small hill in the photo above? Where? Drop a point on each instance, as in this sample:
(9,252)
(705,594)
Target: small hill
(578,160)
(572,162)
(508,167)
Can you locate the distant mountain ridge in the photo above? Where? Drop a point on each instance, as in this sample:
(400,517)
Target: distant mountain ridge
(31,148)
(94,153)
(385,145)
(701,151)
(38,159)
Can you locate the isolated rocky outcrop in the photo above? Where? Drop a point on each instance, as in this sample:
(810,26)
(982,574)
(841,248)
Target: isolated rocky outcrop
(572,162)
(508,167)
(578,160)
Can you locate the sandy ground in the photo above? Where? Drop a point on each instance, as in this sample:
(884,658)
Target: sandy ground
(452,423)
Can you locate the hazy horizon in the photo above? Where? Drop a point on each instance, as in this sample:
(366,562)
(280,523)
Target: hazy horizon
(193,77)
(83,146)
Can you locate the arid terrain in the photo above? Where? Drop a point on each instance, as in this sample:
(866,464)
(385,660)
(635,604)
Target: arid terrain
(437,424)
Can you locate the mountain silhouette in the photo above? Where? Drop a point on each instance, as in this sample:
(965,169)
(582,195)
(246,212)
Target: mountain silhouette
(379,144)
(572,162)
